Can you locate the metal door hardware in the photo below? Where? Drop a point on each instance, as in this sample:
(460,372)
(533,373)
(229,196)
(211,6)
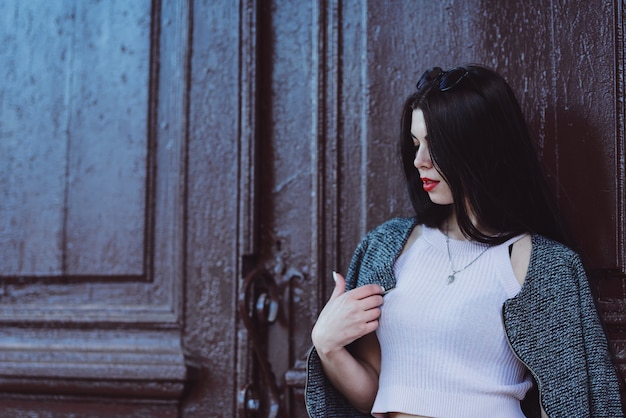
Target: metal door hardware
(259,308)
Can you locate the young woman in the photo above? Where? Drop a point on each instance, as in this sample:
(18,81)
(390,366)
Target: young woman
(476,307)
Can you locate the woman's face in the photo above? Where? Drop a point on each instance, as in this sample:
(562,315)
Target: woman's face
(432,182)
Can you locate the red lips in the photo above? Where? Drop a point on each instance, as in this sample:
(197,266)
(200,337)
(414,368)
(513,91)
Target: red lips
(429,184)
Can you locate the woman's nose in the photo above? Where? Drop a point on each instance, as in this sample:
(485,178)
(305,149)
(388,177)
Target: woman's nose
(422,158)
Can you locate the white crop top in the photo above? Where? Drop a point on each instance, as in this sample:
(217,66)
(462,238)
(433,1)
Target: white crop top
(444,352)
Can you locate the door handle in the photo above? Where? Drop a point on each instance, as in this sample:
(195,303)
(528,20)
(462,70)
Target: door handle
(259,308)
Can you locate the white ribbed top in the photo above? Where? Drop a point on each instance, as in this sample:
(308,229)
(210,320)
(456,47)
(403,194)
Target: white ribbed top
(443,347)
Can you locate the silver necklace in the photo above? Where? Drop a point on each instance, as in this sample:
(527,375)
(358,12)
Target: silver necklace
(452,275)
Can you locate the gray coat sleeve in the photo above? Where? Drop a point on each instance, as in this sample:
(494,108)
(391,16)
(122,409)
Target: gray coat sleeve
(554,328)
(603,387)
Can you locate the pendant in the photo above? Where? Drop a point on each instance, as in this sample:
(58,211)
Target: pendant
(451,278)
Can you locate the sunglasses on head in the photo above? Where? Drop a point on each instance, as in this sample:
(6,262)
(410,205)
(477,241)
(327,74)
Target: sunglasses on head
(447,80)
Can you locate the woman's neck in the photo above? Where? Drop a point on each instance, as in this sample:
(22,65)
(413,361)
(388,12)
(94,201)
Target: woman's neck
(452,229)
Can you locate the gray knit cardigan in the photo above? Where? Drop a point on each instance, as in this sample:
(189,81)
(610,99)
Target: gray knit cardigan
(552,325)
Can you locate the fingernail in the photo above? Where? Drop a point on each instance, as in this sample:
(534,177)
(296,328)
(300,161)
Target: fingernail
(382,287)
(335,276)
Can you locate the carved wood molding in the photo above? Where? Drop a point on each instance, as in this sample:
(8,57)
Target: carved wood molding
(140,364)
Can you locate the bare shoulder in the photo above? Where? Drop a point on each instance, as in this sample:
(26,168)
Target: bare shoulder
(520,257)
(415,234)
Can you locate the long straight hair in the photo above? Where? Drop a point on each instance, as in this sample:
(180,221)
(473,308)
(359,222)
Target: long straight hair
(481,145)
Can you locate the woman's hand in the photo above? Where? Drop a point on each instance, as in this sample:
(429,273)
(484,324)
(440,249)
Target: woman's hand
(351,317)
(347,316)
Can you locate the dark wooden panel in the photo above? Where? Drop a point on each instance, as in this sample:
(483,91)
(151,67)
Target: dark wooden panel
(292,163)
(353,120)
(212,263)
(32,137)
(564,72)
(74,167)
(107,93)
(123,164)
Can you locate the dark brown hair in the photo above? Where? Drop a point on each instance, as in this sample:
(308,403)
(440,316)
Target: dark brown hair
(479,141)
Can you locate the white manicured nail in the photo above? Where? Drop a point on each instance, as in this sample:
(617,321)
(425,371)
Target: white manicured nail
(335,276)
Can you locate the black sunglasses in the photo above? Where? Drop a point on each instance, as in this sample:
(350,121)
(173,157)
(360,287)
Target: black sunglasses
(447,79)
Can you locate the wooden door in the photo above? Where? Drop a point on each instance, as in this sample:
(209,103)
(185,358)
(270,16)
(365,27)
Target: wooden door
(155,155)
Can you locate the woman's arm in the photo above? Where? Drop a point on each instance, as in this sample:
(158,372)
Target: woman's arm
(346,344)
(354,372)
